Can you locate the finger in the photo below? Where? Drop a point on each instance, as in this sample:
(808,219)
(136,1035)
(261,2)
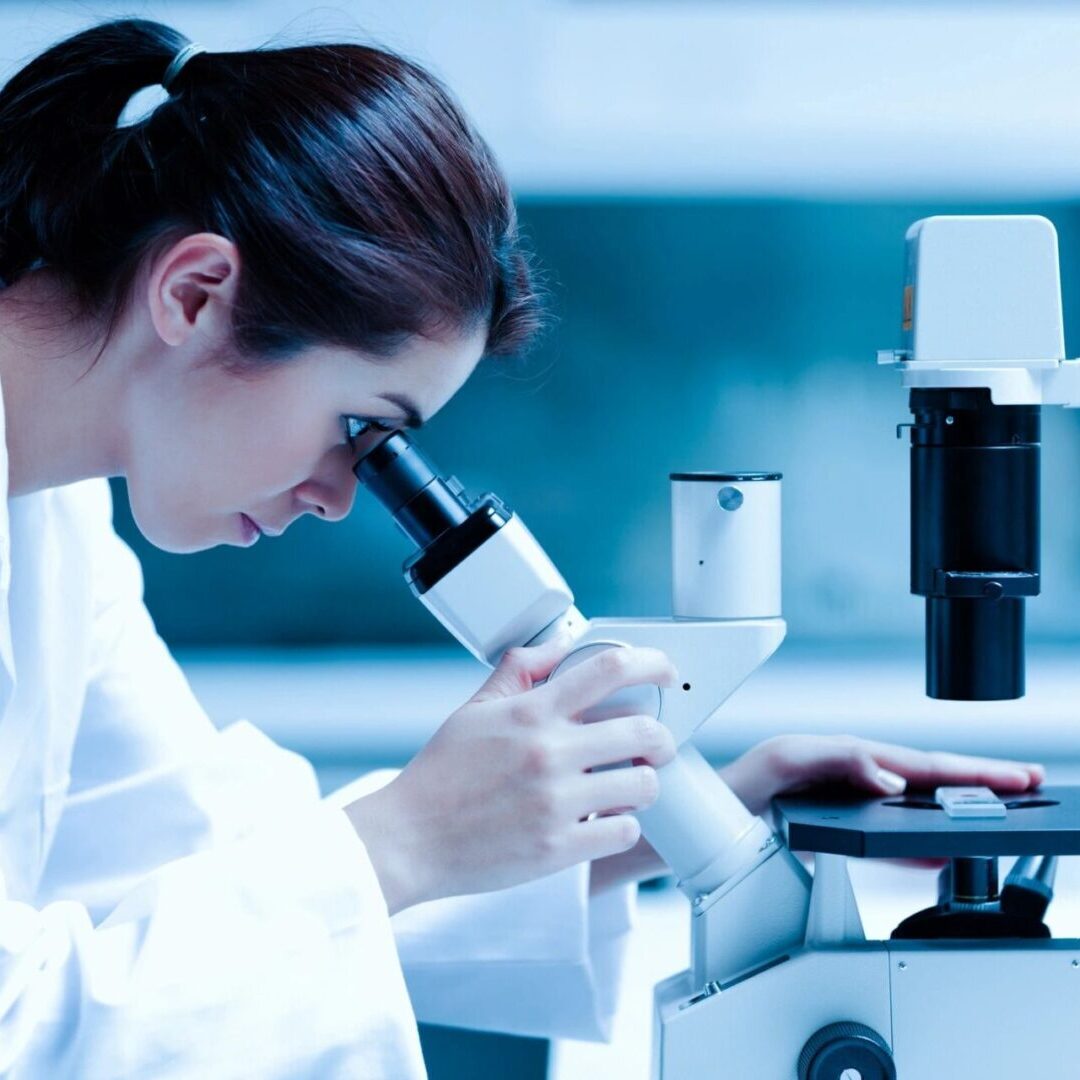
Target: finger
(598,837)
(929,769)
(794,761)
(1036,772)
(886,769)
(623,738)
(632,788)
(521,668)
(855,765)
(918,864)
(600,676)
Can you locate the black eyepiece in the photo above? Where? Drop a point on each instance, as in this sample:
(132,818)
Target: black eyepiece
(423,504)
(433,511)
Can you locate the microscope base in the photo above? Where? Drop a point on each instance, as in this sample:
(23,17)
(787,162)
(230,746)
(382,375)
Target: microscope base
(993,1010)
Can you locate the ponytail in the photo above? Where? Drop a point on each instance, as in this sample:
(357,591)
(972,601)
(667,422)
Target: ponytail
(364,206)
(58,133)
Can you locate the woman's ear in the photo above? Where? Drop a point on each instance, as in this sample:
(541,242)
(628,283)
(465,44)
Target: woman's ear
(192,288)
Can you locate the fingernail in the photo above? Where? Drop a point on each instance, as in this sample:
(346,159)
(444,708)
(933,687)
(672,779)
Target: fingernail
(892,782)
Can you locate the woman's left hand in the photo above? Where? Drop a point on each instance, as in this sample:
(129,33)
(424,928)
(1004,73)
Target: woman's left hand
(792,762)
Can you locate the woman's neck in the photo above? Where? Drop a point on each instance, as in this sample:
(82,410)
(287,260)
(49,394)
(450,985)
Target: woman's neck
(63,408)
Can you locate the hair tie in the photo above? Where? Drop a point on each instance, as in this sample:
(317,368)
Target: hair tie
(176,65)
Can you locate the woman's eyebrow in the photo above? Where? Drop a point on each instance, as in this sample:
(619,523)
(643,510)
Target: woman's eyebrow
(412,413)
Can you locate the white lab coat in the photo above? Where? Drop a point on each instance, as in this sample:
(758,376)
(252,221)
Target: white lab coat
(177,901)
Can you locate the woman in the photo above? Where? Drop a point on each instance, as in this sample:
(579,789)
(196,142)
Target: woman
(225,303)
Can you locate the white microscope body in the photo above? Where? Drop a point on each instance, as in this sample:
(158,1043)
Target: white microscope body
(726,623)
(487,580)
(782,982)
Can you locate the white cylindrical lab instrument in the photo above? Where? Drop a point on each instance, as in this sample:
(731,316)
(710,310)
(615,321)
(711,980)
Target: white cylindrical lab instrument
(725,545)
(699,826)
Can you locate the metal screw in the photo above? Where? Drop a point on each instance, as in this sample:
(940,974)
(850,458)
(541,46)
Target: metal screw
(950,419)
(902,965)
(729,498)
(707,991)
(1076,963)
(851,1074)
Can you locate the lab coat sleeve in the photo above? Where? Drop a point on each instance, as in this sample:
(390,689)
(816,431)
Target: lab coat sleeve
(544,958)
(202,911)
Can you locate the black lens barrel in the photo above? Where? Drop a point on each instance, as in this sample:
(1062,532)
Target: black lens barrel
(974,538)
(423,504)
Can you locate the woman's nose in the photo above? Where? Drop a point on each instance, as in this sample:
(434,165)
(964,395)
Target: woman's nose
(330,493)
(330,502)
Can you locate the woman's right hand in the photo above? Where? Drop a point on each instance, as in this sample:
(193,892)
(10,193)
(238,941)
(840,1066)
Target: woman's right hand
(503,793)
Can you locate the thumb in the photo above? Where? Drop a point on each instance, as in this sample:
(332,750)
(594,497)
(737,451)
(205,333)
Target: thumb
(521,668)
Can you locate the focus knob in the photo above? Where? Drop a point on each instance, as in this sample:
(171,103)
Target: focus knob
(846,1051)
(644,700)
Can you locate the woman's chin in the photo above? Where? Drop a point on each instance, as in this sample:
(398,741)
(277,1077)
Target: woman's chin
(176,539)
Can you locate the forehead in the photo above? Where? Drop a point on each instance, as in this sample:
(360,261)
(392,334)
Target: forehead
(424,372)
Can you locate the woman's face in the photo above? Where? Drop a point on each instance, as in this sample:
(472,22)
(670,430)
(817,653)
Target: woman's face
(215,457)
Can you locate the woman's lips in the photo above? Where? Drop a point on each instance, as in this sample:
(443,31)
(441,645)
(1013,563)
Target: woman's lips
(264,530)
(252,532)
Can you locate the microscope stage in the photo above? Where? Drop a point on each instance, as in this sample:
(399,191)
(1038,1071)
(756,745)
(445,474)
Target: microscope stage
(1043,822)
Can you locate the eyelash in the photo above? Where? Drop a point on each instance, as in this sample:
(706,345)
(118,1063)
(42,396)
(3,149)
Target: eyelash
(356,427)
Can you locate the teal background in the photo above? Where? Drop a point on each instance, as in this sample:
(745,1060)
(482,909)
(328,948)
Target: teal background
(687,334)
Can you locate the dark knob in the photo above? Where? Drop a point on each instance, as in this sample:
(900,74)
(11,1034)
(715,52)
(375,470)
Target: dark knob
(846,1051)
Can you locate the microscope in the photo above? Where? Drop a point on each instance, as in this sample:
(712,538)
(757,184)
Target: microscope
(783,982)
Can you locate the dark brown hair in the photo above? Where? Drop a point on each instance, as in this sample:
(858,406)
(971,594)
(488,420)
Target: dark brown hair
(364,206)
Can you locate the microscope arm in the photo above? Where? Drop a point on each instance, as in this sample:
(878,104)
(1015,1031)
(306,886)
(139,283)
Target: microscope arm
(699,827)
(750,897)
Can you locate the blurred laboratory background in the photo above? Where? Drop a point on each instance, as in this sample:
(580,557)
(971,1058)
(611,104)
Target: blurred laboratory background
(717,193)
